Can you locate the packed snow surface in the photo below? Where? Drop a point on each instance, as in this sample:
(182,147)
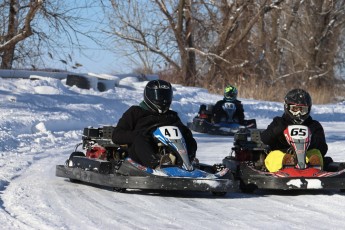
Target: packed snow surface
(42,121)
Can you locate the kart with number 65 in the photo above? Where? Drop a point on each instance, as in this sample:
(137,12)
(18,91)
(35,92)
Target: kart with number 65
(247,162)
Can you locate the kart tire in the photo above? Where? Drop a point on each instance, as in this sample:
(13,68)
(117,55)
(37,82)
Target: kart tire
(219,194)
(76,154)
(79,154)
(74,180)
(120,190)
(79,81)
(250,188)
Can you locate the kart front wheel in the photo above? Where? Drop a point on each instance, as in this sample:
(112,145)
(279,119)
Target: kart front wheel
(219,193)
(121,190)
(247,188)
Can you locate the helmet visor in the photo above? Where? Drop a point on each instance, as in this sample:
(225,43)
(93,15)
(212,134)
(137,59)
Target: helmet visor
(160,95)
(298,110)
(230,95)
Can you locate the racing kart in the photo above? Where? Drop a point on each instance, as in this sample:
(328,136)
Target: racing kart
(107,164)
(247,162)
(203,122)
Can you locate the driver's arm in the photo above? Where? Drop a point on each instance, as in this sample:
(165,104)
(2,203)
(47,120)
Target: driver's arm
(124,132)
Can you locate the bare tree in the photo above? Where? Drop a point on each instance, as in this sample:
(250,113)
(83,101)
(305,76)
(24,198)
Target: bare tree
(16,32)
(257,43)
(233,28)
(162,27)
(32,30)
(178,30)
(300,45)
(306,42)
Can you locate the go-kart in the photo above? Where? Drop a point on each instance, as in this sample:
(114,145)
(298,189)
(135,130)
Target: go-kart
(246,161)
(106,163)
(204,122)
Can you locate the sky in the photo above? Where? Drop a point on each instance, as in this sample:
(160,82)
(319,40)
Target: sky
(106,57)
(100,60)
(42,121)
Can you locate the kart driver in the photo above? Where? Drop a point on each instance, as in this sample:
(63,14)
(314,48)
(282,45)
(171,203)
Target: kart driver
(229,109)
(297,106)
(132,128)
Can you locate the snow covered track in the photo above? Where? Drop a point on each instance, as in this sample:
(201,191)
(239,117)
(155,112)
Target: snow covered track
(38,199)
(38,130)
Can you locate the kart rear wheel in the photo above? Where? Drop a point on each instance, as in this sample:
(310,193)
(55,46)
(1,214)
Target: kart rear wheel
(69,163)
(74,180)
(76,154)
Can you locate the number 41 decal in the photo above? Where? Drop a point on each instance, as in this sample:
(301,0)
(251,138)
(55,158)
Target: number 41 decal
(167,133)
(171,132)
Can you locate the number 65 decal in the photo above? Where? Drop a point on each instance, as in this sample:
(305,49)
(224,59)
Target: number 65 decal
(298,131)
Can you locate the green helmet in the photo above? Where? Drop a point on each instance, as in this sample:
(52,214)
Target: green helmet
(230,93)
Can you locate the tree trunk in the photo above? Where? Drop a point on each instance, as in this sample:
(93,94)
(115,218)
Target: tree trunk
(8,54)
(190,65)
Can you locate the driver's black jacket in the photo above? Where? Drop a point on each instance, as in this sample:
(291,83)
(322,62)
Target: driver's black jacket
(218,111)
(274,134)
(132,129)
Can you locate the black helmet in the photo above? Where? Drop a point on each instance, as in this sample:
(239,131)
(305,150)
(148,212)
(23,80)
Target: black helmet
(297,105)
(230,93)
(158,95)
